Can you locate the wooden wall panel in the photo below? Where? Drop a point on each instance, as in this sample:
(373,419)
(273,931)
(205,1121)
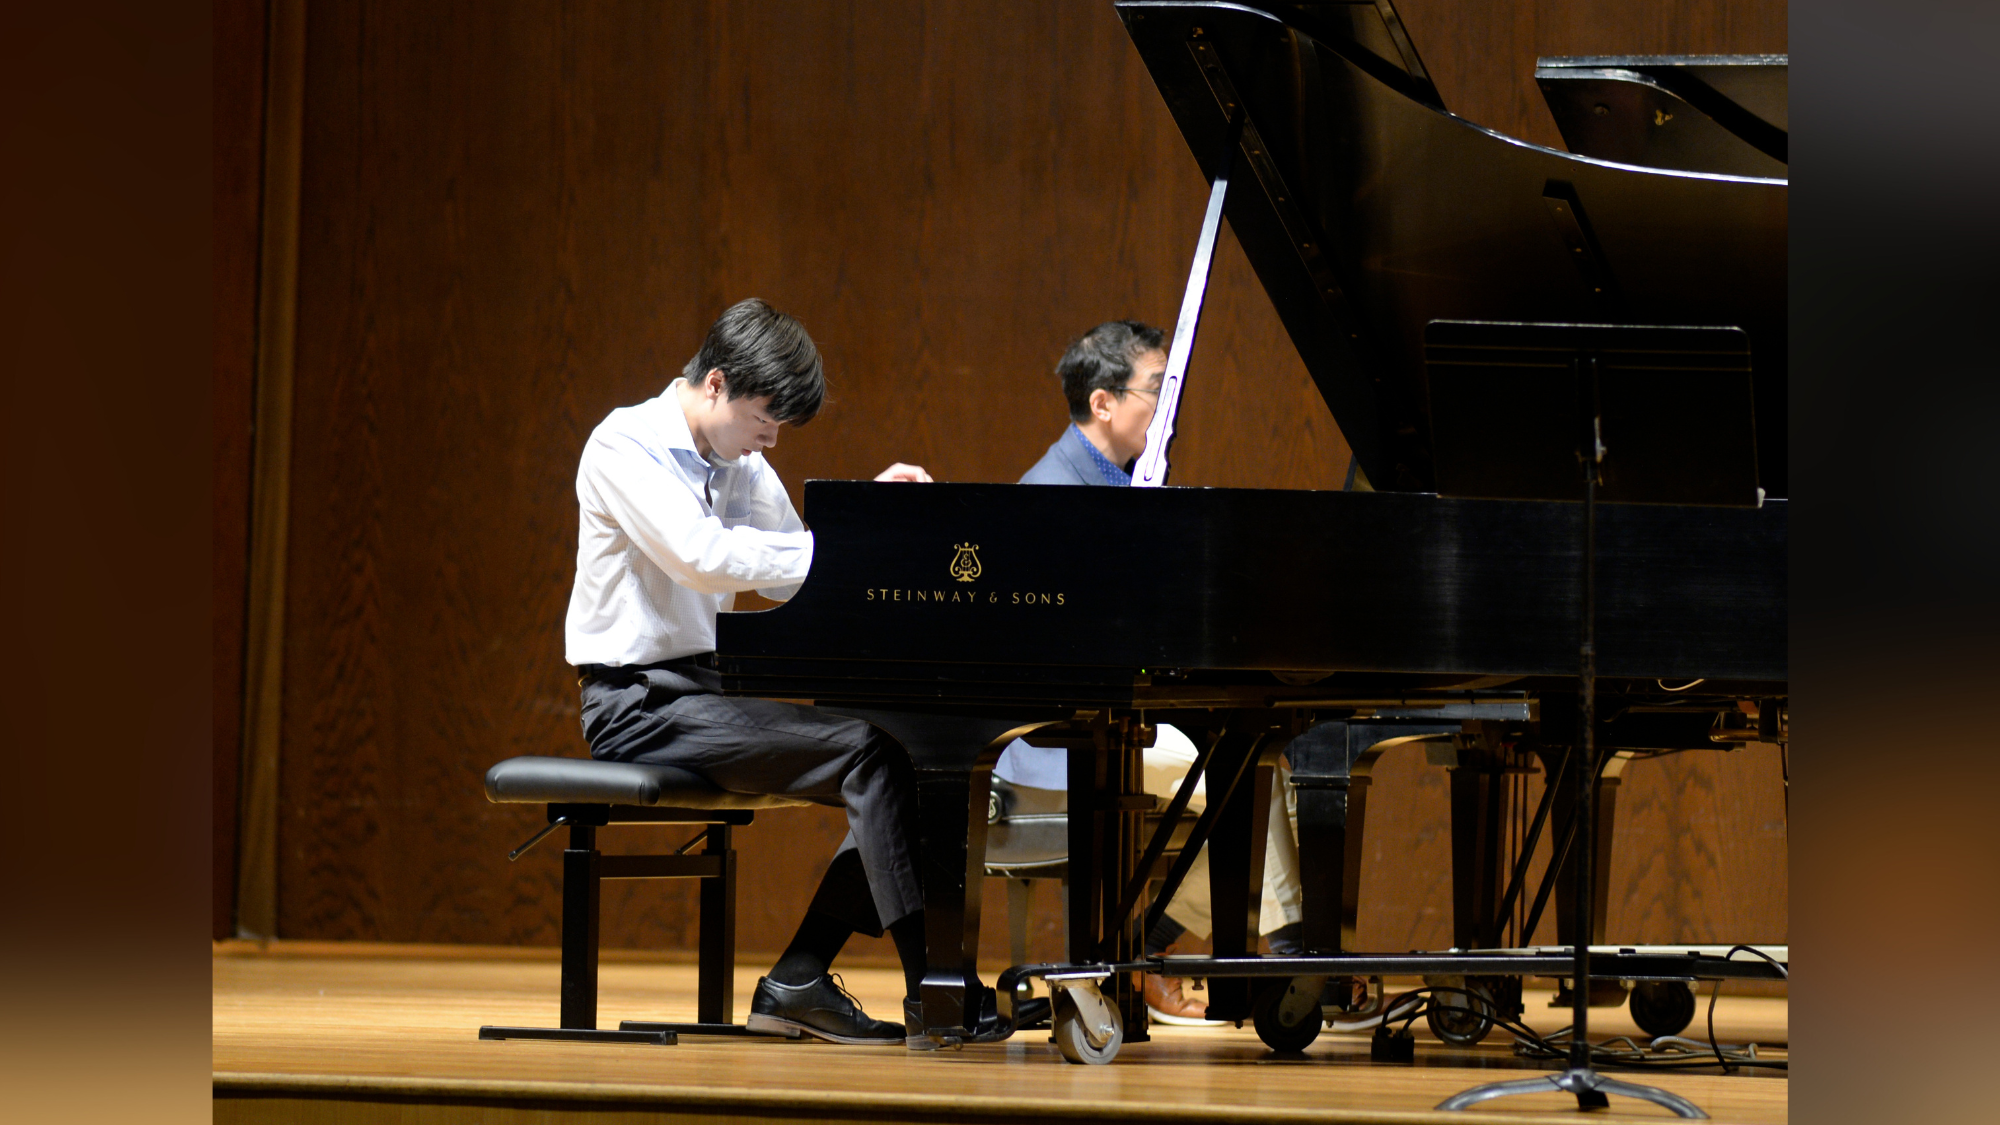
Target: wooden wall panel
(946,209)
(517,217)
(238,101)
(497,250)
(1701,852)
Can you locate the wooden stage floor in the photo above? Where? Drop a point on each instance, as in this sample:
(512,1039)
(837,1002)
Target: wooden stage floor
(330,1035)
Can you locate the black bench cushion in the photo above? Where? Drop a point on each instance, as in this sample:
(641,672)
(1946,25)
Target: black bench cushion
(586,781)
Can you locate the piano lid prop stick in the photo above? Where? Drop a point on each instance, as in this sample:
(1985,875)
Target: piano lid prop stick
(1151,471)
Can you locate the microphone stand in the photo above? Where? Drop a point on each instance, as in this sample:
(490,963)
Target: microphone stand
(1591,1088)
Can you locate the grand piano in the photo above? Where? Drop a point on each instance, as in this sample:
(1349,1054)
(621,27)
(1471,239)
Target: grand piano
(1327,625)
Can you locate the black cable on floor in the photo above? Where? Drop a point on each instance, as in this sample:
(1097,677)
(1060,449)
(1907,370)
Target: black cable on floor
(1555,1046)
(1716,991)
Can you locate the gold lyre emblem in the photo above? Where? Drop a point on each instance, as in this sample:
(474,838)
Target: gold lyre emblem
(965,564)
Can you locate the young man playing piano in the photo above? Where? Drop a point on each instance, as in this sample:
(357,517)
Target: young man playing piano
(1111,378)
(679,511)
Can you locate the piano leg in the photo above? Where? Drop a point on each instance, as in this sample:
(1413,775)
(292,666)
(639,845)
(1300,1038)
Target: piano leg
(1478,818)
(1332,763)
(1603,993)
(954,850)
(1332,807)
(1105,841)
(1480,813)
(1087,773)
(1236,863)
(954,757)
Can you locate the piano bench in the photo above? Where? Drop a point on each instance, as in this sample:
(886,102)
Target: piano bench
(584,795)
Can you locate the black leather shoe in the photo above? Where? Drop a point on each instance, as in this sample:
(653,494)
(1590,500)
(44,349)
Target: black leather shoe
(820,1008)
(988,1025)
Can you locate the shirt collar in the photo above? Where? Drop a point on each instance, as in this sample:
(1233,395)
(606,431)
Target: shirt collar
(1112,473)
(670,422)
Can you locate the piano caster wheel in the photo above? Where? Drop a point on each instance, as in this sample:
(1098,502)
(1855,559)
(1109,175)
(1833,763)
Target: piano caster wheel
(1461,1020)
(1288,1019)
(1073,1035)
(1662,1007)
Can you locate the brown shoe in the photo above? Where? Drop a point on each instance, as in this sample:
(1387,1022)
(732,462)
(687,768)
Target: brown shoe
(1169,1003)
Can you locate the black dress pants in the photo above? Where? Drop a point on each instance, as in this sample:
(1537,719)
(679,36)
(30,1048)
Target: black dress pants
(660,715)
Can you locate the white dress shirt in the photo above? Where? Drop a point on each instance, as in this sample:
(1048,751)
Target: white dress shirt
(666,538)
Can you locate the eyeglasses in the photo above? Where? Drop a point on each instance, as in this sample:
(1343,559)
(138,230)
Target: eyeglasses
(1139,391)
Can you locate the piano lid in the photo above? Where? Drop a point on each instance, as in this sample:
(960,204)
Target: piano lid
(1703,113)
(1370,26)
(1367,211)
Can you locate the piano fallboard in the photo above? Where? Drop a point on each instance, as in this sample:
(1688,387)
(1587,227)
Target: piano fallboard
(1095,588)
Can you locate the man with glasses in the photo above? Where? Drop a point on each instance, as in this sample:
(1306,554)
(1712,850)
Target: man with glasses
(1111,377)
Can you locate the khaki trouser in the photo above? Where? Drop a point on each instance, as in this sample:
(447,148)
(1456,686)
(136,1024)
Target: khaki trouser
(1166,763)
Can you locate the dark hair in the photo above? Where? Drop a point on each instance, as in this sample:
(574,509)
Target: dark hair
(761,351)
(1101,360)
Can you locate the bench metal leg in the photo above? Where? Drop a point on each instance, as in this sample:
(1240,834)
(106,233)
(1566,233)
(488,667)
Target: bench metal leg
(716,993)
(580,1034)
(579,957)
(584,869)
(579,929)
(715,987)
